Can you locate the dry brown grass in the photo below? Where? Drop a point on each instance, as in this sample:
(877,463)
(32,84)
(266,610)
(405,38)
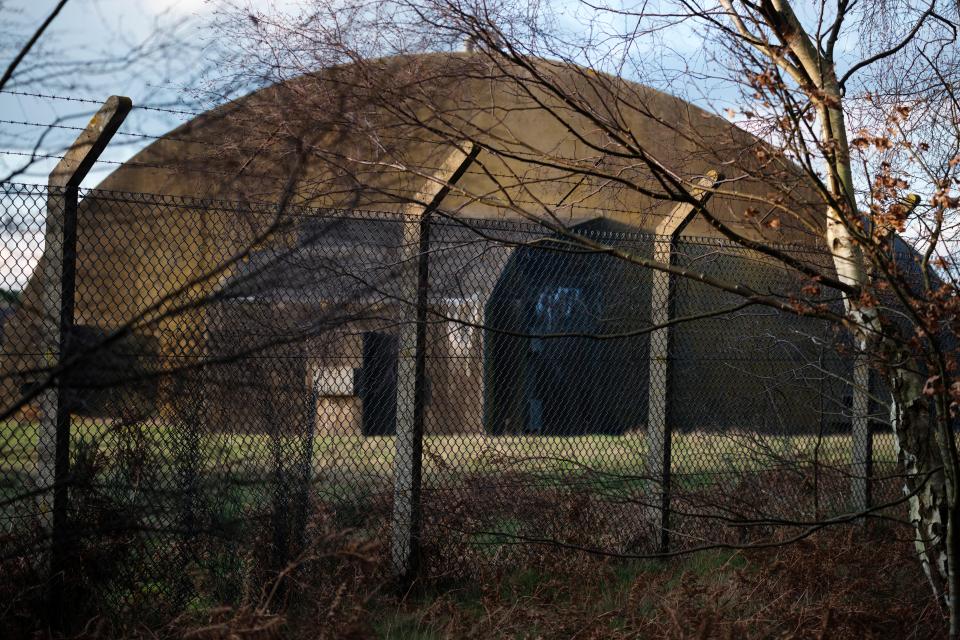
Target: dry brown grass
(844,582)
(838,584)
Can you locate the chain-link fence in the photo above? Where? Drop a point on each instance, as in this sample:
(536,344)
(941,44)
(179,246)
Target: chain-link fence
(188,383)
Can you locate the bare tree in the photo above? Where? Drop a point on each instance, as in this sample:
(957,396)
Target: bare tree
(854,102)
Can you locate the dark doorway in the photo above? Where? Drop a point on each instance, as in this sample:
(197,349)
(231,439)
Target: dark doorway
(555,398)
(113,378)
(552,362)
(377,384)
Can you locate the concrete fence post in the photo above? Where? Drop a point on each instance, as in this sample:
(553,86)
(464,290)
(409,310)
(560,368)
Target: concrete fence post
(59,264)
(861,470)
(411,367)
(659,428)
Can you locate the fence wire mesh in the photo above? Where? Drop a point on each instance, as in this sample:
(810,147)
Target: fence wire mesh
(230,371)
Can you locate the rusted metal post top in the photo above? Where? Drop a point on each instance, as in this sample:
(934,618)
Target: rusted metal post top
(79,159)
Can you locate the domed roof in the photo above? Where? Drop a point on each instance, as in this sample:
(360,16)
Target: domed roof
(555,139)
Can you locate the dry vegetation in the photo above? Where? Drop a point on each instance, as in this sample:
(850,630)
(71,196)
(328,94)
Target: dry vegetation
(482,580)
(850,582)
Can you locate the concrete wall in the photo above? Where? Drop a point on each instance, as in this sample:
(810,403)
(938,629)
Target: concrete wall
(138,253)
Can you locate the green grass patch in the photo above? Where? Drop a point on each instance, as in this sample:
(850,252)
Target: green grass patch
(233,469)
(356,455)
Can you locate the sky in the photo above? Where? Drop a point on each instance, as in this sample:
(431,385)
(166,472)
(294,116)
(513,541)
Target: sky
(85,29)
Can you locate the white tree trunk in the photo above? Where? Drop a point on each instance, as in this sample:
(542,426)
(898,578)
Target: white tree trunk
(926,450)
(930,473)
(917,452)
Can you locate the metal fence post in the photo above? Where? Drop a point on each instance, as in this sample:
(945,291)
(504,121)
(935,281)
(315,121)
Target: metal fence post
(659,427)
(411,387)
(306,468)
(411,368)
(59,263)
(861,471)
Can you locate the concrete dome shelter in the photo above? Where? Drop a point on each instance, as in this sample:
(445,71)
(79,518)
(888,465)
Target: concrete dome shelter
(371,136)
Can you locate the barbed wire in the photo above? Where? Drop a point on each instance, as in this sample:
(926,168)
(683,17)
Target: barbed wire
(521,179)
(48,96)
(170,167)
(119,133)
(398,191)
(35,155)
(529,228)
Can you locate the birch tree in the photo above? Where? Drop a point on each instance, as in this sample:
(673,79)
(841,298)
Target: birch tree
(807,59)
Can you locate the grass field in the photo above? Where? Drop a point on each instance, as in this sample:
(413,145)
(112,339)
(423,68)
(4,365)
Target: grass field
(696,452)
(168,485)
(351,468)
